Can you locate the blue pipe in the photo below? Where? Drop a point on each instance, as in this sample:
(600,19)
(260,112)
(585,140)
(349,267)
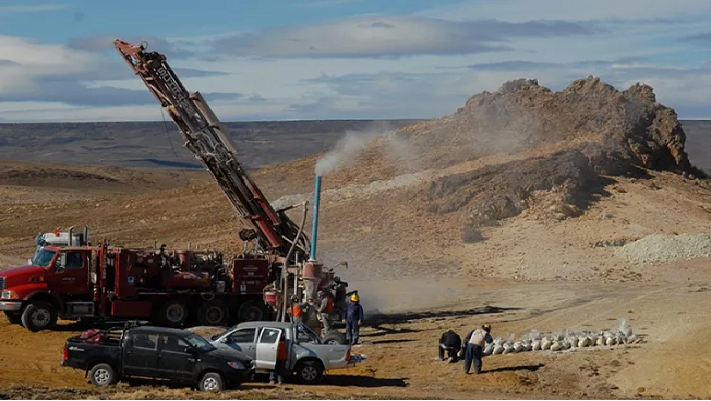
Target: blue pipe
(314,224)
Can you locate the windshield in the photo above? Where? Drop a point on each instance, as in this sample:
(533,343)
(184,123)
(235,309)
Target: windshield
(304,334)
(43,257)
(199,343)
(216,336)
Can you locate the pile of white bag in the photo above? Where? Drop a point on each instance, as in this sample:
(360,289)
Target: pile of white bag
(564,340)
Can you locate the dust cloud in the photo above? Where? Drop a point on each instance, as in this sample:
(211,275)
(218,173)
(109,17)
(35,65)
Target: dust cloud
(354,143)
(345,152)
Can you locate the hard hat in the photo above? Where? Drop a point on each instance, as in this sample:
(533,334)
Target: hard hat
(355,298)
(486,327)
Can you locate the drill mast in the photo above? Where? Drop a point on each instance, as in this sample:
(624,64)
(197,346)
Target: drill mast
(207,139)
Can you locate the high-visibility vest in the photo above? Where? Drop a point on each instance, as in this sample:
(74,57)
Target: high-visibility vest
(281,350)
(296,310)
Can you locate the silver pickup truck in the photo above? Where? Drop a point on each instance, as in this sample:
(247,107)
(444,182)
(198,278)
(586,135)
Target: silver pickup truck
(308,357)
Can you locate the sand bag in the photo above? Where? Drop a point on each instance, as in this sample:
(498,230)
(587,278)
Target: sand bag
(517,346)
(623,327)
(585,341)
(536,345)
(546,343)
(498,349)
(600,341)
(508,348)
(527,346)
(557,346)
(488,348)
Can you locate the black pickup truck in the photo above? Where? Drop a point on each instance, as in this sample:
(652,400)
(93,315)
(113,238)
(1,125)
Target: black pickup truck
(156,353)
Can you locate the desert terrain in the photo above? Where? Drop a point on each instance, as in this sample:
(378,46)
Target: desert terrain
(526,209)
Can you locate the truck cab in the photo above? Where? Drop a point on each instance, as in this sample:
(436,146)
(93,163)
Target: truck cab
(55,283)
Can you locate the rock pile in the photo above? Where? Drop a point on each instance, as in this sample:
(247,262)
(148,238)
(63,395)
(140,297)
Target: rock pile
(665,248)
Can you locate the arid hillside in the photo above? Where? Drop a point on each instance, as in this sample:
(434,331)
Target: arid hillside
(529,208)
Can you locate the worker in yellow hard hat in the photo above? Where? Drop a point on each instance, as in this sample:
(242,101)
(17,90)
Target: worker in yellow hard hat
(354,319)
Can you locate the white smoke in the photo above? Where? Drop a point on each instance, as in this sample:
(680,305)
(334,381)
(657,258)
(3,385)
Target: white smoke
(347,149)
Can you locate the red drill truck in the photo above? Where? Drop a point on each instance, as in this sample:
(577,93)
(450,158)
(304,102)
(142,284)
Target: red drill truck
(280,264)
(171,288)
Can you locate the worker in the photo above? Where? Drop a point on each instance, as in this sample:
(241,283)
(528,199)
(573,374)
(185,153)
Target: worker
(354,319)
(297,310)
(278,372)
(325,308)
(339,287)
(474,343)
(450,342)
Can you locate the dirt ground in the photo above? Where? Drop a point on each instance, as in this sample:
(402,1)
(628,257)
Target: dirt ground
(413,271)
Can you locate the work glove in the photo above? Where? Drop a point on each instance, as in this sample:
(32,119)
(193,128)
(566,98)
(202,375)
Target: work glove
(360,323)
(460,354)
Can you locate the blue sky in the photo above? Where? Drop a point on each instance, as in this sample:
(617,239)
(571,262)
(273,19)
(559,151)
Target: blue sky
(324,59)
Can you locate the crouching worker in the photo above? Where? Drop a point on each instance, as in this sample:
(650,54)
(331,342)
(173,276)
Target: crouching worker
(450,342)
(354,319)
(474,343)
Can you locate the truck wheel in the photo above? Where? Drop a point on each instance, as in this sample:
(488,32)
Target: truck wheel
(173,314)
(211,381)
(13,318)
(213,313)
(309,372)
(102,375)
(251,311)
(39,316)
(335,337)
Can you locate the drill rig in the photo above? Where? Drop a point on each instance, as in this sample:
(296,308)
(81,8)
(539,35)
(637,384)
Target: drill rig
(275,238)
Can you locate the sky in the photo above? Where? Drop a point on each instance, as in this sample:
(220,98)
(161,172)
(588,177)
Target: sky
(343,59)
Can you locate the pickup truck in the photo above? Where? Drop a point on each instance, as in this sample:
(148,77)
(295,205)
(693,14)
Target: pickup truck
(309,356)
(156,353)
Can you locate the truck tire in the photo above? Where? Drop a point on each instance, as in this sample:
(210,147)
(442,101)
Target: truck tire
(213,313)
(211,381)
(102,375)
(252,311)
(309,372)
(13,317)
(335,337)
(173,313)
(39,316)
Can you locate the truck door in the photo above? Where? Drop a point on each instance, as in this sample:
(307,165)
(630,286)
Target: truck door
(243,340)
(140,356)
(174,362)
(266,353)
(70,275)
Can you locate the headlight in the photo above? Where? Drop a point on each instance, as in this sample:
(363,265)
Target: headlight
(236,365)
(9,295)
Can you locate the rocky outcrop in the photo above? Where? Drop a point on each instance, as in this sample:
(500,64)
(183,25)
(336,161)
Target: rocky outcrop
(590,130)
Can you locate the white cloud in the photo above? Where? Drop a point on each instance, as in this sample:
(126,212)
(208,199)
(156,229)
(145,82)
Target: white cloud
(327,3)
(350,73)
(568,10)
(391,36)
(32,8)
